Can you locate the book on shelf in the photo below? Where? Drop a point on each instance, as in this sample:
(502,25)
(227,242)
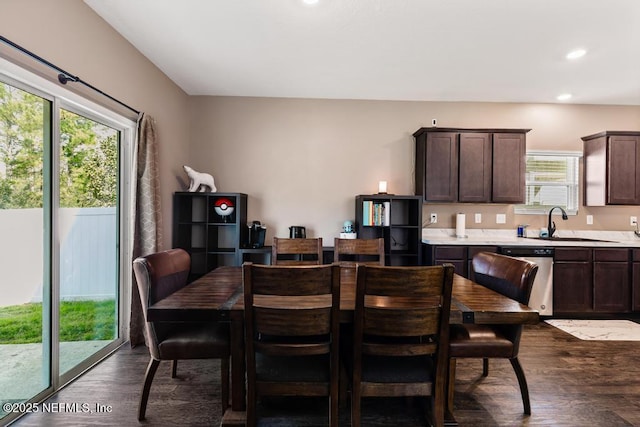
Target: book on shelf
(376,213)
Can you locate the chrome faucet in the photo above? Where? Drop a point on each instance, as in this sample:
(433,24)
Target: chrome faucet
(551,227)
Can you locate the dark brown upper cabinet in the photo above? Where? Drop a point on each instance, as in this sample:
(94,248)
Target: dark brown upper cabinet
(470,165)
(612,168)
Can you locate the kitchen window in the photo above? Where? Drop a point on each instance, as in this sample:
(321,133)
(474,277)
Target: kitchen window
(551,180)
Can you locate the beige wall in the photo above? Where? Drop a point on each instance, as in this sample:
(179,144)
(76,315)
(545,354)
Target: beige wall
(301,161)
(70,35)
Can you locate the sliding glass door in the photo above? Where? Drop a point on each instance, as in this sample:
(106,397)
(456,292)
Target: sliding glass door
(60,251)
(88,237)
(25,309)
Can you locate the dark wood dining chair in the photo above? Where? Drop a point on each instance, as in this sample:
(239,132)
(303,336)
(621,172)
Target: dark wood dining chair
(401,335)
(509,276)
(159,275)
(291,333)
(296,251)
(360,251)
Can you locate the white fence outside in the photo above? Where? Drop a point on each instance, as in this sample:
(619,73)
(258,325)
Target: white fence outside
(88,254)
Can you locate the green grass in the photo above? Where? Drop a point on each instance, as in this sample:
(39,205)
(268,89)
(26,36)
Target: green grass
(79,321)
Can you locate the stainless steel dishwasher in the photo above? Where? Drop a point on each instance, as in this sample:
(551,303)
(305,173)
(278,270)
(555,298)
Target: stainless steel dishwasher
(542,292)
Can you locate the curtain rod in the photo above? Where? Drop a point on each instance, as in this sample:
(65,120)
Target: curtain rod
(64,76)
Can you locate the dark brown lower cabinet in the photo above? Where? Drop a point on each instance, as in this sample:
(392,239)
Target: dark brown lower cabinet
(611,290)
(635,279)
(458,255)
(572,281)
(455,255)
(588,280)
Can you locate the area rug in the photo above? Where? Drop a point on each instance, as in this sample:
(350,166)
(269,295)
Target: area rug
(599,330)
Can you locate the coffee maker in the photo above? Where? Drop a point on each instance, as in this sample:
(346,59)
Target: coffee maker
(297,232)
(256,234)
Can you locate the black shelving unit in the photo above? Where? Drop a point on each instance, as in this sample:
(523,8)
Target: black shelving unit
(211,227)
(397,219)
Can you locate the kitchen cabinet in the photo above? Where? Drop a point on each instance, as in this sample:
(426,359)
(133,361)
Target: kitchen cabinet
(455,255)
(509,168)
(474,167)
(460,256)
(572,280)
(611,168)
(587,280)
(436,176)
(211,227)
(470,165)
(611,290)
(635,279)
(397,219)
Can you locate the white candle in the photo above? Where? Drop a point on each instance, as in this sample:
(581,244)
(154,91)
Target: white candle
(382,187)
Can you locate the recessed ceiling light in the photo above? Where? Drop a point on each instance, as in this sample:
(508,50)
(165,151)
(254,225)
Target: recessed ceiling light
(310,2)
(575,54)
(563,97)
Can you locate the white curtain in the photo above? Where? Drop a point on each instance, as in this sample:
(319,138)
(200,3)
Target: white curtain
(147,232)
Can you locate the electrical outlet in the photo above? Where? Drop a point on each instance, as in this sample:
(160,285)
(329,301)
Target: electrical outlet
(478,218)
(633,220)
(433,218)
(589,219)
(501,218)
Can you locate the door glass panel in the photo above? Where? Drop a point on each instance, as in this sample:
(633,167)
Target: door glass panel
(88,231)
(24,319)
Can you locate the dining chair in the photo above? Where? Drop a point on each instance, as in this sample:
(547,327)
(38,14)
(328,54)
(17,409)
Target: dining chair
(401,334)
(291,333)
(159,275)
(509,276)
(296,251)
(361,251)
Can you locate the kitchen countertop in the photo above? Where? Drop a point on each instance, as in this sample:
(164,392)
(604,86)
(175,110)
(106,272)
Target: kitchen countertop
(504,237)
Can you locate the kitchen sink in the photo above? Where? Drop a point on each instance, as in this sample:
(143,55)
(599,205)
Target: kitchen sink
(567,239)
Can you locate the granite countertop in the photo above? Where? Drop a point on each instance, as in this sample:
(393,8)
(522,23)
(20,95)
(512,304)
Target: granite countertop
(503,237)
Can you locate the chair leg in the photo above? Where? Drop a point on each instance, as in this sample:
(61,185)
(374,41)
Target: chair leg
(146,387)
(451,384)
(251,404)
(522,380)
(356,410)
(485,366)
(174,368)
(224,382)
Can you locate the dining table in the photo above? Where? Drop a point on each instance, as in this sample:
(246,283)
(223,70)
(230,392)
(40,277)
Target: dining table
(218,296)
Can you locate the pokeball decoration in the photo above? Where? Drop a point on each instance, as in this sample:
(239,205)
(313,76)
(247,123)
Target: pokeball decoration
(223,207)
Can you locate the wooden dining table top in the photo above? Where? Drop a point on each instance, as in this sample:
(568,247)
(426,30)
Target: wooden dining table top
(218,294)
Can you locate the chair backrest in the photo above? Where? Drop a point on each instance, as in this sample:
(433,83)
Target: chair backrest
(359,251)
(509,276)
(292,326)
(296,251)
(409,304)
(296,308)
(159,275)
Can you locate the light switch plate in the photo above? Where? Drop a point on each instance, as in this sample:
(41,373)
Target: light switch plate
(501,218)
(478,218)
(433,218)
(633,220)
(589,219)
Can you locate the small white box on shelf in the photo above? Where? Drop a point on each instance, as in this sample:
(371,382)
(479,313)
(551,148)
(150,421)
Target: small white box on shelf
(348,235)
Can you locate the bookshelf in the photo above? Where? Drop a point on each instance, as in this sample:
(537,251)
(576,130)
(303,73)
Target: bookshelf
(397,219)
(210,226)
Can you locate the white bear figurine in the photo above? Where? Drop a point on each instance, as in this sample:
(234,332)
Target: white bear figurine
(199,181)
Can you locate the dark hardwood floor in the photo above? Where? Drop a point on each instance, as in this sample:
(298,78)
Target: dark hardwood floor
(571,383)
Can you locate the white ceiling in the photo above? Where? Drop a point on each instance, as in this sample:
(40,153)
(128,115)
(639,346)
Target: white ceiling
(435,50)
